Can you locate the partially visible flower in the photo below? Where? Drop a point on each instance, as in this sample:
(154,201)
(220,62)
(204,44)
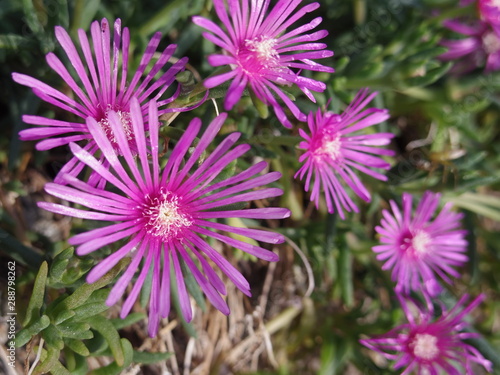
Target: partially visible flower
(480,45)
(419,248)
(103,86)
(489,11)
(334,148)
(262,54)
(426,345)
(167,215)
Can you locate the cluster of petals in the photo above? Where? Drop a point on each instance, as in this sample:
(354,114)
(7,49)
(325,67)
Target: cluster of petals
(103,86)
(165,215)
(262,54)
(418,247)
(489,10)
(479,44)
(334,148)
(426,345)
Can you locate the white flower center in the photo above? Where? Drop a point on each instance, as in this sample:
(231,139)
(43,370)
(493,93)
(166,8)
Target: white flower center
(331,146)
(165,217)
(491,42)
(126,123)
(495,3)
(425,346)
(420,242)
(264,49)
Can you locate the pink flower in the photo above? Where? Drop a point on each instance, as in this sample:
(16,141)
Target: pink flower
(334,148)
(489,11)
(426,345)
(104,86)
(417,247)
(167,215)
(262,54)
(480,44)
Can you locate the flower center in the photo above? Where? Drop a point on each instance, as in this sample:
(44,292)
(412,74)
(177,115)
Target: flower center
(328,142)
(330,145)
(165,216)
(491,42)
(257,54)
(126,123)
(425,346)
(416,243)
(491,3)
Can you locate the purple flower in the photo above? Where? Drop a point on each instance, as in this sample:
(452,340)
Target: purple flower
(489,11)
(417,247)
(166,215)
(333,152)
(480,45)
(426,345)
(103,87)
(262,54)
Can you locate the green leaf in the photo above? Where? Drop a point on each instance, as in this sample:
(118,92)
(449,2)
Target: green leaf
(82,294)
(110,334)
(50,362)
(25,335)
(345,274)
(192,286)
(175,301)
(146,287)
(90,309)
(114,368)
(37,296)
(52,337)
(60,263)
(428,54)
(481,204)
(129,320)
(147,358)
(63,316)
(13,41)
(78,347)
(430,77)
(83,14)
(261,108)
(77,330)
(238,223)
(75,363)
(171,132)
(165,18)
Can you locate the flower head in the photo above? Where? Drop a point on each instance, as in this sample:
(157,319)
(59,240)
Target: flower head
(262,54)
(426,345)
(334,148)
(480,45)
(165,215)
(103,87)
(489,11)
(417,247)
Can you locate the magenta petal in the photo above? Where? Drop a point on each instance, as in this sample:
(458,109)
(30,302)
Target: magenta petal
(258,51)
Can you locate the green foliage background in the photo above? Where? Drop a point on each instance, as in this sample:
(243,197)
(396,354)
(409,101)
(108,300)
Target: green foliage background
(387,45)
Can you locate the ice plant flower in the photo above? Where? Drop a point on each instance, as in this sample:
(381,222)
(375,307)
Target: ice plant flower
(480,44)
(262,54)
(165,215)
(334,147)
(419,247)
(103,86)
(489,11)
(426,345)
